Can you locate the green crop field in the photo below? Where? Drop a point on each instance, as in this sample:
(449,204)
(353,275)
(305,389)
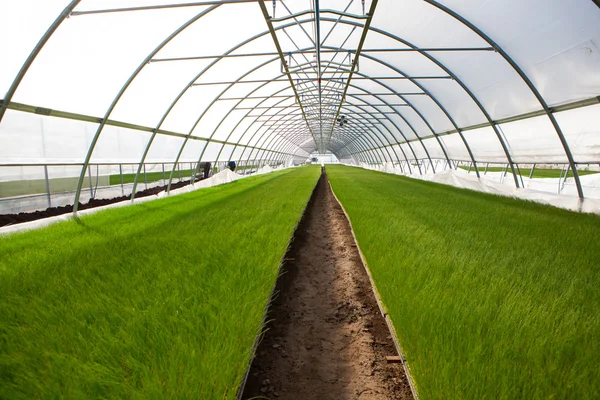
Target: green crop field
(150,176)
(537,173)
(492,297)
(157,300)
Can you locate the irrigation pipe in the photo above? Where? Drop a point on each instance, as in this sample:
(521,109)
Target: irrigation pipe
(385,315)
(263,323)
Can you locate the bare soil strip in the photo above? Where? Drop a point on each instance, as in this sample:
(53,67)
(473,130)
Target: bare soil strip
(11,219)
(326,338)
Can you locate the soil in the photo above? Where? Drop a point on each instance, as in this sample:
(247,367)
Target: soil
(325,338)
(11,219)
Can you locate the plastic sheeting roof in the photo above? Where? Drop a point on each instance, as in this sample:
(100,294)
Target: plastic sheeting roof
(402,81)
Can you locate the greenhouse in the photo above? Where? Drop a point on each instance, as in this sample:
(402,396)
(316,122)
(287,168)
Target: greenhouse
(300,199)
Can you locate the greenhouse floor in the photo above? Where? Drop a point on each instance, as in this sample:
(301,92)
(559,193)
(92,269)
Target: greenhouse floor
(325,334)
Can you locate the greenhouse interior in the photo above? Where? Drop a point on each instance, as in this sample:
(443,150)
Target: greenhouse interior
(367,199)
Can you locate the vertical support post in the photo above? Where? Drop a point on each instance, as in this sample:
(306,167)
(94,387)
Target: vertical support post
(563,181)
(531,172)
(469,170)
(520,175)
(179,171)
(91,183)
(47,186)
(121,178)
(486,168)
(145,180)
(163,172)
(503,176)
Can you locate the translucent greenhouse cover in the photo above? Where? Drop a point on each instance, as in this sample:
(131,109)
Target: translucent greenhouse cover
(420,84)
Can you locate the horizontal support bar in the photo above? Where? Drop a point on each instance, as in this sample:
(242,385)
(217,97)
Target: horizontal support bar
(325,51)
(86,118)
(322,11)
(376,105)
(324,79)
(159,7)
(236,82)
(428,49)
(533,114)
(564,107)
(211,57)
(389,94)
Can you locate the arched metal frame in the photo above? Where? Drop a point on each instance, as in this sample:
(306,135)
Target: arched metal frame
(287,140)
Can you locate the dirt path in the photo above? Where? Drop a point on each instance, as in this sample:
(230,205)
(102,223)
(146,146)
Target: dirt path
(326,337)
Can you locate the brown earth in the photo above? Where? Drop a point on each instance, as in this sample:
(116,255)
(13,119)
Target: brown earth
(326,338)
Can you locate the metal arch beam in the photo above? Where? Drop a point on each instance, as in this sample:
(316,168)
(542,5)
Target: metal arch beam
(358,157)
(361,107)
(340,138)
(245,116)
(184,90)
(412,106)
(209,139)
(282,27)
(263,8)
(366,156)
(122,91)
(255,121)
(34,53)
(527,81)
(281,158)
(256,132)
(361,135)
(466,89)
(364,122)
(340,155)
(361,42)
(318,51)
(386,138)
(437,102)
(159,7)
(290,106)
(404,119)
(201,73)
(247,41)
(391,121)
(337,155)
(412,47)
(274,135)
(417,111)
(208,108)
(455,78)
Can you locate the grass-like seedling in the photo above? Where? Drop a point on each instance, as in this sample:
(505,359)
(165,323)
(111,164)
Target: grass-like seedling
(157,300)
(492,297)
(150,176)
(537,173)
